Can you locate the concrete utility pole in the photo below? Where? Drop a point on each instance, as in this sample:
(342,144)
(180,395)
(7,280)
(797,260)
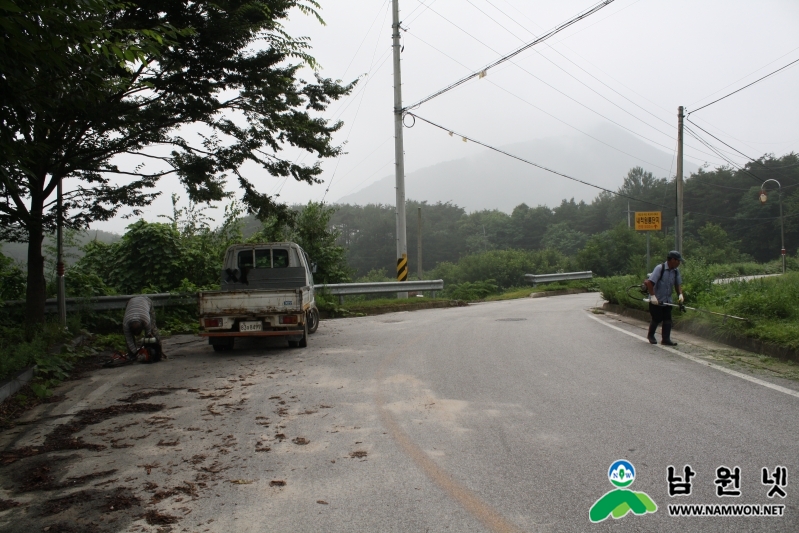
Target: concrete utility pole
(628,215)
(419,246)
(679,228)
(399,154)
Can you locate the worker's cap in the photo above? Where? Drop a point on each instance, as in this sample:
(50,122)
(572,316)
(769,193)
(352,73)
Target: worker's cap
(674,254)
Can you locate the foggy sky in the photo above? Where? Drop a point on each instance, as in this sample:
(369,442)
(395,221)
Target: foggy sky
(657,53)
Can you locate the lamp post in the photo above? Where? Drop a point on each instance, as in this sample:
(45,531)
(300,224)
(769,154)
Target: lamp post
(763,198)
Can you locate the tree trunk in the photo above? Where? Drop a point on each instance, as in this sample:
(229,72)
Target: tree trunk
(36,292)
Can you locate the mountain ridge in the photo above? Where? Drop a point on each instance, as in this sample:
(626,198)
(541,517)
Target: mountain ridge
(490,180)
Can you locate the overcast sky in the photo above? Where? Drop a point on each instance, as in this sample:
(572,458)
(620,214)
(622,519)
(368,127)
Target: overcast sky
(632,63)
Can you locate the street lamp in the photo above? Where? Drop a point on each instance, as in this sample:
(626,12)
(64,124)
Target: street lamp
(763,198)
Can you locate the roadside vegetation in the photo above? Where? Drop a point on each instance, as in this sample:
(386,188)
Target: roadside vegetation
(768,303)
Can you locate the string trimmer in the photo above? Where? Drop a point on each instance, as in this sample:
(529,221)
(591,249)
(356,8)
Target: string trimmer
(683,307)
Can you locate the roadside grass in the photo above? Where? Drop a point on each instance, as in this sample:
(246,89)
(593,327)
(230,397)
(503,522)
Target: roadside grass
(758,363)
(769,304)
(513,293)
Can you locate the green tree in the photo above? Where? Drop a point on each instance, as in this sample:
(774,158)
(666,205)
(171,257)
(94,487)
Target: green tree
(713,245)
(562,238)
(12,279)
(316,236)
(126,83)
(614,252)
(149,256)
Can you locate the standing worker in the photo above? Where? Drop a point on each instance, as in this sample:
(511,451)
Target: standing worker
(664,278)
(140,317)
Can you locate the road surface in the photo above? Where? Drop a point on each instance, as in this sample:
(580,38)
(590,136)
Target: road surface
(495,417)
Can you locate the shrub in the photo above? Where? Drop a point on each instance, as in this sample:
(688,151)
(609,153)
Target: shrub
(505,267)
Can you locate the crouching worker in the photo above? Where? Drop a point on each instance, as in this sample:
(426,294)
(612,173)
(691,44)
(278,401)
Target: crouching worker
(140,319)
(663,280)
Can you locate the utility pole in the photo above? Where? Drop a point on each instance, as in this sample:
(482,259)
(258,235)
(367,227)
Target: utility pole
(628,215)
(399,154)
(419,246)
(60,288)
(679,228)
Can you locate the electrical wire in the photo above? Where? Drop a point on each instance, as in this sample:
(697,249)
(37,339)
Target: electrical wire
(582,57)
(426,7)
(516,52)
(556,89)
(745,86)
(670,135)
(730,161)
(526,161)
(355,118)
(540,109)
(363,40)
(523,160)
(753,160)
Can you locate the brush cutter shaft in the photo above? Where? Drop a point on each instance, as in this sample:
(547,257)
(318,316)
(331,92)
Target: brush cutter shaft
(701,310)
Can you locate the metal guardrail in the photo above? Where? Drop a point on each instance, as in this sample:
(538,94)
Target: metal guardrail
(535,279)
(344,289)
(378,287)
(120,301)
(105,303)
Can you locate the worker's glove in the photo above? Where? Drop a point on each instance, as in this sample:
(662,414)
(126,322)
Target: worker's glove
(654,300)
(681,299)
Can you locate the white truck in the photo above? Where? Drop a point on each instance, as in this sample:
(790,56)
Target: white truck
(267,290)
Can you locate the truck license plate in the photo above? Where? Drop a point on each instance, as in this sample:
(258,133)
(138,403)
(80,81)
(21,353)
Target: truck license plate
(251,326)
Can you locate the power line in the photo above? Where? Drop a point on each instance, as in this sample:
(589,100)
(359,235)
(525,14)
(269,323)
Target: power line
(518,158)
(499,150)
(555,88)
(426,7)
(584,84)
(753,160)
(745,86)
(717,151)
(516,52)
(363,40)
(542,110)
(355,118)
(789,52)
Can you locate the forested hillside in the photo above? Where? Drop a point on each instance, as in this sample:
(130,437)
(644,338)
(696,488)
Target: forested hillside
(725,222)
(722,212)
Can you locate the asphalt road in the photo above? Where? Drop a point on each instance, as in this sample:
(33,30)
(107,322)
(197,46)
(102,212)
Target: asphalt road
(493,417)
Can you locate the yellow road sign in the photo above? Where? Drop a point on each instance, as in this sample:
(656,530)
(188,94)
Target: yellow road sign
(648,220)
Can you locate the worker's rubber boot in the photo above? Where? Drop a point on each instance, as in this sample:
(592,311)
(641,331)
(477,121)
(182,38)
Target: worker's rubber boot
(653,327)
(666,334)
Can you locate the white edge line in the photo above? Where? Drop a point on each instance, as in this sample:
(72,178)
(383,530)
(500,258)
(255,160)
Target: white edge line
(702,362)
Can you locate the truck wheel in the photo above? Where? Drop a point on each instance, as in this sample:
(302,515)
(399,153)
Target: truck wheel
(313,320)
(303,343)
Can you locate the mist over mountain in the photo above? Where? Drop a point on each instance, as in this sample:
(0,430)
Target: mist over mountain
(490,180)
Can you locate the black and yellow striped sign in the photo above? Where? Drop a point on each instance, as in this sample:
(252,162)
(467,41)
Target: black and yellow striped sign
(402,268)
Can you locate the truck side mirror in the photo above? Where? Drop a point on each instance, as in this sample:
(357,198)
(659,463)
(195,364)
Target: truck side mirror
(313,268)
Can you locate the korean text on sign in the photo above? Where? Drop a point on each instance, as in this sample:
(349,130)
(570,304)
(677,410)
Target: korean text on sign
(648,220)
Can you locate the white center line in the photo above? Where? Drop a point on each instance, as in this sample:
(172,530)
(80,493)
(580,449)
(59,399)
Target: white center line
(753,379)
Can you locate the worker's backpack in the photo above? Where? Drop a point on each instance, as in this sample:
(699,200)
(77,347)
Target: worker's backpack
(644,289)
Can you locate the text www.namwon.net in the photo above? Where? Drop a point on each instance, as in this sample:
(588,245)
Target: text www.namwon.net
(735,509)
